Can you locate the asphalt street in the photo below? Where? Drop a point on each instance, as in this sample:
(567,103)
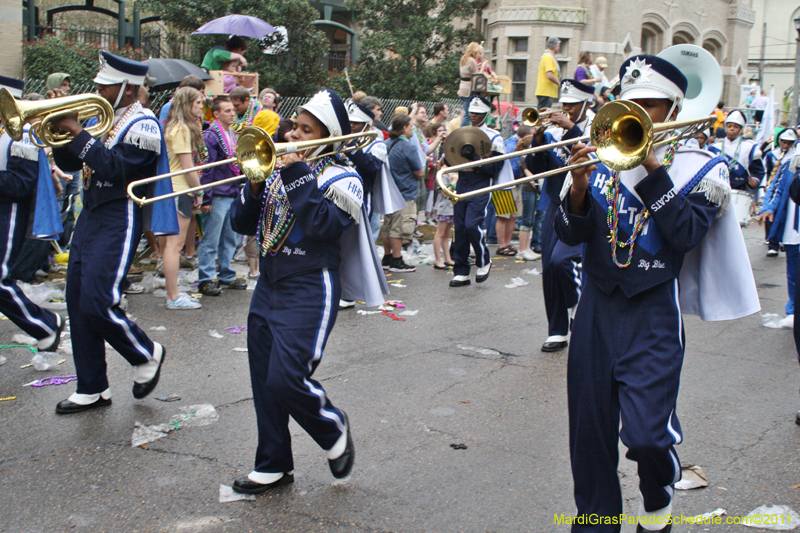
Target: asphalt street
(465,369)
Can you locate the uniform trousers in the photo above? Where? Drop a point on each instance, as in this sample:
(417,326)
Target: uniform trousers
(103,246)
(624,364)
(29,317)
(561,278)
(287,328)
(468,218)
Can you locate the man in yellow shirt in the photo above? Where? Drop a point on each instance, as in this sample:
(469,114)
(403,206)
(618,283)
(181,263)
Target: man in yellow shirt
(547,82)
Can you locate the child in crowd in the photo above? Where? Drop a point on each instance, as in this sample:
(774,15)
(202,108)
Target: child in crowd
(444,215)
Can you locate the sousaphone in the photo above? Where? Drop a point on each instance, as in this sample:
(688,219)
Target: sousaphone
(703,74)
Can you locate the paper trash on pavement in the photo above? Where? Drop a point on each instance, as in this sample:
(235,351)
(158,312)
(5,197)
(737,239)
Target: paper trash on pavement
(692,477)
(516,282)
(189,416)
(214,333)
(226,494)
(774,517)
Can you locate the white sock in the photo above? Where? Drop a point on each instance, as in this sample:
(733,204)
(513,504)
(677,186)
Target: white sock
(556,338)
(86,399)
(265,478)
(460,278)
(50,339)
(339,447)
(655,520)
(146,372)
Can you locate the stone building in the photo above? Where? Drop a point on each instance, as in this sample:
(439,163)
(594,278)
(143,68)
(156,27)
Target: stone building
(774,29)
(516,30)
(10,38)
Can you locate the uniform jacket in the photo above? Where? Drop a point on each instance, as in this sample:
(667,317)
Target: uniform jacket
(748,164)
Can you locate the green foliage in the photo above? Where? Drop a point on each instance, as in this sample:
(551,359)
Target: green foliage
(295,72)
(411,49)
(80,60)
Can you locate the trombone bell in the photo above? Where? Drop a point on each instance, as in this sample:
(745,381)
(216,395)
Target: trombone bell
(530,116)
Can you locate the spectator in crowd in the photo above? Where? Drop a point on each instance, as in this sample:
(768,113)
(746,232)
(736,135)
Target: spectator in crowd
(719,125)
(760,104)
(234,49)
(407,171)
(547,82)
(444,225)
(583,72)
(268,121)
(186,149)
(58,84)
(246,108)
(455,122)
(219,239)
(358,96)
(470,64)
(435,133)
(528,195)
(230,81)
(400,110)
(375,105)
(598,71)
(269,99)
(440,113)
(188,81)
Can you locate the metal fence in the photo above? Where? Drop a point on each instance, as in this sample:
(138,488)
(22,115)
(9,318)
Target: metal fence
(289,104)
(105,37)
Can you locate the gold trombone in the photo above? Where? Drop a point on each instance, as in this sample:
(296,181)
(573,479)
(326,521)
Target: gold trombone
(531,116)
(256,155)
(622,131)
(42,113)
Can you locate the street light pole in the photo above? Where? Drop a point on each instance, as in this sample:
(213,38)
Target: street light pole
(793,119)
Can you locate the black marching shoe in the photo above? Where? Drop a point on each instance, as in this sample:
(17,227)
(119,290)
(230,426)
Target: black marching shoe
(68,407)
(50,344)
(460,281)
(483,273)
(666,529)
(554,343)
(246,485)
(342,465)
(140,390)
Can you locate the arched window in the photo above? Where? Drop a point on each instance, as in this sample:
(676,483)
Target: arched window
(714,48)
(682,37)
(652,38)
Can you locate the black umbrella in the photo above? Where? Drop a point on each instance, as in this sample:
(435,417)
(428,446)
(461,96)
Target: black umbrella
(168,73)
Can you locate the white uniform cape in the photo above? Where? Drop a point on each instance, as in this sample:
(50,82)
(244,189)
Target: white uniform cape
(360,271)
(506,174)
(386,197)
(720,262)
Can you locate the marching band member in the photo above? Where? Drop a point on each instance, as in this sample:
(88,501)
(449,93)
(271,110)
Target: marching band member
(316,248)
(743,155)
(561,279)
(783,217)
(468,214)
(627,338)
(107,233)
(24,178)
(773,160)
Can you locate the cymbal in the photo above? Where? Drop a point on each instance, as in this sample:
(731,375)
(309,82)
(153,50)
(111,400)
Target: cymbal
(464,137)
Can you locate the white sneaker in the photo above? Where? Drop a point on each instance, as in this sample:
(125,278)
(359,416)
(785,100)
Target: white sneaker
(787,322)
(529,255)
(772,253)
(183,302)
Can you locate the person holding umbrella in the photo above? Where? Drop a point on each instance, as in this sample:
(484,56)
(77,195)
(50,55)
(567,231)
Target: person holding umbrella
(234,49)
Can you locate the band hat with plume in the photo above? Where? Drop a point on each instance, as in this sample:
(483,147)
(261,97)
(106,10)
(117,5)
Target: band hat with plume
(479,104)
(115,70)
(359,113)
(788,135)
(646,76)
(329,109)
(736,117)
(14,86)
(573,92)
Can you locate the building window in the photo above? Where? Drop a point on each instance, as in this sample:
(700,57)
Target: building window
(519,75)
(517,45)
(651,38)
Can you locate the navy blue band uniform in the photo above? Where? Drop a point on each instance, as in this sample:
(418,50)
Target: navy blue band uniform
(106,236)
(627,342)
(743,156)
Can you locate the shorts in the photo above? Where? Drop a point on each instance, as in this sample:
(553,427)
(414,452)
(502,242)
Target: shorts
(401,224)
(251,247)
(517,201)
(184,204)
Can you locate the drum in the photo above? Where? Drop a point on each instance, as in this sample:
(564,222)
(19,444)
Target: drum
(740,203)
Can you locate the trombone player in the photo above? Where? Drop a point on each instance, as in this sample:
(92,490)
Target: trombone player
(561,281)
(107,233)
(644,231)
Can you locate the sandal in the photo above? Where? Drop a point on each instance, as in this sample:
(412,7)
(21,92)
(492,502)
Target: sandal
(508,251)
